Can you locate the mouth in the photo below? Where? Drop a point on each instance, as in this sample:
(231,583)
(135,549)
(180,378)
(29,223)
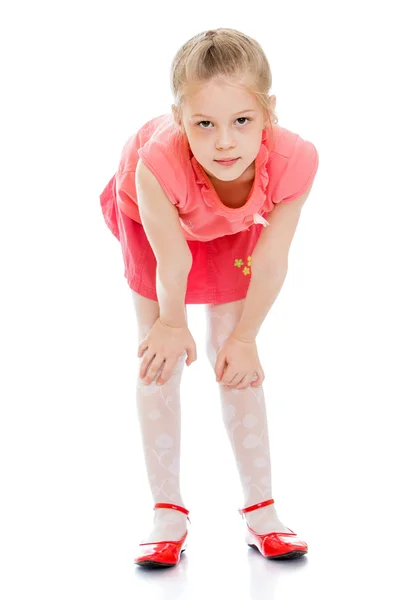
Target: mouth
(227,161)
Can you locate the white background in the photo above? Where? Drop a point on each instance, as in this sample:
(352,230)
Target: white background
(78,79)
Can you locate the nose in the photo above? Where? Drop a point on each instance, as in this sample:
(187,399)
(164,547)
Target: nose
(225,140)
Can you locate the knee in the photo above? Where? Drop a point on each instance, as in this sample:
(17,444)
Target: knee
(222,320)
(179,366)
(214,344)
(211,353)
(174,379)
(177,371)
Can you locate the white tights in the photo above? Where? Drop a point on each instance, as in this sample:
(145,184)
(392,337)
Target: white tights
(244,416)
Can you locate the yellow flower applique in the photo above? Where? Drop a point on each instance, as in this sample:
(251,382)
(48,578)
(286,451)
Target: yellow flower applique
(239,263)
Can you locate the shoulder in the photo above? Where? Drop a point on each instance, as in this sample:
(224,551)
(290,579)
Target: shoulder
(163,149)
(292,165)
(166,155)
(289,145)
(164,141)
(130,150)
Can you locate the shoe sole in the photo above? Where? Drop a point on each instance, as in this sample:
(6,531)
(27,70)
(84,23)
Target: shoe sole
(292,554)
(153,564)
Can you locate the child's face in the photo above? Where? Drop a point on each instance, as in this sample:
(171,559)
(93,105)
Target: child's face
(229,126)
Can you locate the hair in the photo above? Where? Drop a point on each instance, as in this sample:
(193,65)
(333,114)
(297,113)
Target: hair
(226,53)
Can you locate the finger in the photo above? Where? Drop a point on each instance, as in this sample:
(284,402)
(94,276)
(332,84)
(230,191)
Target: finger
(145,364)
(219,366)
(229,374)
(191,355)
(166,371)
(244,383)
(238,377)
(143,346)
(259,381)
(155,367)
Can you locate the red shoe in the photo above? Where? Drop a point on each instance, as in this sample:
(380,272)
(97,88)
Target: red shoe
(274,545)
(162,554)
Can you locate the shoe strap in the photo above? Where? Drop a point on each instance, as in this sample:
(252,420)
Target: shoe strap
(255,506)
(173,506)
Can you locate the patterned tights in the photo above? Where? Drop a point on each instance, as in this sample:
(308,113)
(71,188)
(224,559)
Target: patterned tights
(245,420)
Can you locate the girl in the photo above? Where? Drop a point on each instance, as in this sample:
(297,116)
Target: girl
(188,205)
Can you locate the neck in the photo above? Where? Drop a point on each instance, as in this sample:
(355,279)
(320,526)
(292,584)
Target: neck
(246,177)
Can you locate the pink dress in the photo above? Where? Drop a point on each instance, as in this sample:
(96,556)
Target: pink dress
(221,239)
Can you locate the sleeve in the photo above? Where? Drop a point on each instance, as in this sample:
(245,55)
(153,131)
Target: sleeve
(126,194)
(166,160)
(160,168)
(163,154)
(299,173)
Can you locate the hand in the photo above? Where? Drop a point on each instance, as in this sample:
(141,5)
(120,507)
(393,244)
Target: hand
(237,363)
(162,348)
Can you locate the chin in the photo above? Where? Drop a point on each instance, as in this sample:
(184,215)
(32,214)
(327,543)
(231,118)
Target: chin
(227,177)
(221,171)
(226,174)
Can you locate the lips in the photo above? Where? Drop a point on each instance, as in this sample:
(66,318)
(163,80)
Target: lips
(227,161)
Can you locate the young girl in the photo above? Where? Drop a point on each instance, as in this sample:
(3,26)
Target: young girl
(188,204)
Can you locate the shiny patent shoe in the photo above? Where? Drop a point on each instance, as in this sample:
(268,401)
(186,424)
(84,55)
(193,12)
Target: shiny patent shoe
(162,554)
(273,545)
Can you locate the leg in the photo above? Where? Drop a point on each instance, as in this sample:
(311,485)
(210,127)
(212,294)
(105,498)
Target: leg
(245,420)
(159,415)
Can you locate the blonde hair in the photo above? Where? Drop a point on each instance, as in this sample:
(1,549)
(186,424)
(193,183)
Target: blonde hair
(222,52)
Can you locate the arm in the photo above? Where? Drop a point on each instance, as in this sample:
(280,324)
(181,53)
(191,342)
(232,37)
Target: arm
(161,223)
(269,267)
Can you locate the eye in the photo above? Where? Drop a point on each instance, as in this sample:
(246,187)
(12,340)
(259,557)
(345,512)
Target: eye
(209,122)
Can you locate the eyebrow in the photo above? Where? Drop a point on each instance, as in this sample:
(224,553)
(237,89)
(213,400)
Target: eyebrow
(238,113)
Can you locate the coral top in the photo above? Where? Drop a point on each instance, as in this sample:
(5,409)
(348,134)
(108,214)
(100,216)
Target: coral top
(284,169)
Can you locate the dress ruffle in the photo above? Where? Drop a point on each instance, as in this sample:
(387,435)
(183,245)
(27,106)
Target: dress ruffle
(257,196)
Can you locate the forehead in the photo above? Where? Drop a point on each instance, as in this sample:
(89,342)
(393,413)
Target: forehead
(219,97)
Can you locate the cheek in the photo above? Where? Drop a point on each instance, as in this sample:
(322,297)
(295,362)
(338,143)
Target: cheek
(200,143)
